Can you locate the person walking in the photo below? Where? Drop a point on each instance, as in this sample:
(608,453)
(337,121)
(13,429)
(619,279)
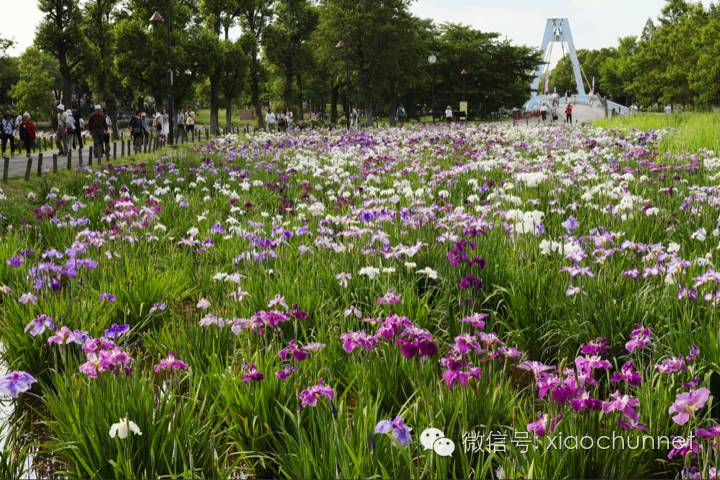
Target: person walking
(106,138)
(165,124)
(401,114)
(80,127)
(190,121)
(449,115)
(157,124)
(544,112)
(180,123)
(568,113)
(7,133)
(27,133)
(136,130)
(270,120)
(146,128)
(61,135)
(290,117)
(354,118)
(71,129)
(97,124)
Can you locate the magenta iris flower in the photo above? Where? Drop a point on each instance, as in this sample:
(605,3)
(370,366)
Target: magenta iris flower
(286,371)
(15,383)
(397,427)
(543,424)
(293,351)
(253,374)
(627,374)
(64,336)
(686,404)
(310,396)
(359,339)
(639,338)
(171,362)
(625,404)
(38,325)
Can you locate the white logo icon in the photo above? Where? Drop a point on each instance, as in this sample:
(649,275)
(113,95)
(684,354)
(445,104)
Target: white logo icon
(434,439)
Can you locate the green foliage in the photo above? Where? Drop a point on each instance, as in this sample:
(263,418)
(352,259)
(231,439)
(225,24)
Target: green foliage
(39,77)
(9,72)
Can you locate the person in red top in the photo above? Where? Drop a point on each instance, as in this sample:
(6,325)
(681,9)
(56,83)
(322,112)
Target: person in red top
(568,113)
(26,129)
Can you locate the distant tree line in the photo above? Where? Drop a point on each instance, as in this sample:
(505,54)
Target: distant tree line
(291,54)
(675,60)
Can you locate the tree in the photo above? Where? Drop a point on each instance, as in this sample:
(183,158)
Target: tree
(617,72)
(59,34)
(141,60)
(97,55)
(39,77)
(286,43)
(255,16)
(372,34)
(233,75)
(9,71)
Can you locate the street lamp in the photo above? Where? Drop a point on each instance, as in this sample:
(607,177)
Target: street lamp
(156,18)
(463,73)
(341,46)
(432,60)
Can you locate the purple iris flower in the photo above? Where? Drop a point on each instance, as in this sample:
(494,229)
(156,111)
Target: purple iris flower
(38,325)
(398,428)
(107,297)
(116,330)
(15,383)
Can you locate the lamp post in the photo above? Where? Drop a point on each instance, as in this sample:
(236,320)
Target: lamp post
(341,46)
(432,60)
(157,19)
(463,73)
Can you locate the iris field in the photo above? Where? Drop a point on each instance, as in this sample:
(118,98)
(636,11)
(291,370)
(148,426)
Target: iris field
(306,305)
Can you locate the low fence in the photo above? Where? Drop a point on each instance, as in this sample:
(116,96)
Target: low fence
(126,147)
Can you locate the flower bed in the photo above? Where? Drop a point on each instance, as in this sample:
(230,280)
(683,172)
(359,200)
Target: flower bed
(423,302)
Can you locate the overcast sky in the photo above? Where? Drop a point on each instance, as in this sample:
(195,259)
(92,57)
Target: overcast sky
(595,23)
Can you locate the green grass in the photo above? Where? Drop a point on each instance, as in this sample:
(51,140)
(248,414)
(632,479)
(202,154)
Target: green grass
(691,131)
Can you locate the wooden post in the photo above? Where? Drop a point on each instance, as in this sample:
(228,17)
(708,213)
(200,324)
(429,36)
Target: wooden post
(39,166)
(115,149)
(90,156)
(193,135)
(122,148)
(69,159)
(80,156)
(28,169)
(54,162)
(6,169)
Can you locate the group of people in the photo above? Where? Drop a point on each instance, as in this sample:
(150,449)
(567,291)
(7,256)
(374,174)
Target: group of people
(70,126)
(552,111)
(282,121)
(20,125)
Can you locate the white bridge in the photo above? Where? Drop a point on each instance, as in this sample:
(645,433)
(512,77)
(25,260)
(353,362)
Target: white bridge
(557,31)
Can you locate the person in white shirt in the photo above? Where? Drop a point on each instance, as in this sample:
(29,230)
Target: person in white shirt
(270,120)
(289,117)
(449,114)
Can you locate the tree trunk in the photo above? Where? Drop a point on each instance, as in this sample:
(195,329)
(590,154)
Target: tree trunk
(228,114)
(301,112)
(255,87)
(214,105)
(333,103)
(287,95)
(67,86)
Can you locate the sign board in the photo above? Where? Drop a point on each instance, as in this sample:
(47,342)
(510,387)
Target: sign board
(464,107)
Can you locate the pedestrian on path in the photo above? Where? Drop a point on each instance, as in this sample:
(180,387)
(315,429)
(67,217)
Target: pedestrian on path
(449,114)
(71,129)
(80,127)
(146,128)
(62,132)
(190,121)
(27,133)
(568,113)
(97,124)
(7,133)
(270,120)
(136,130)
(180,122)
(106,138)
